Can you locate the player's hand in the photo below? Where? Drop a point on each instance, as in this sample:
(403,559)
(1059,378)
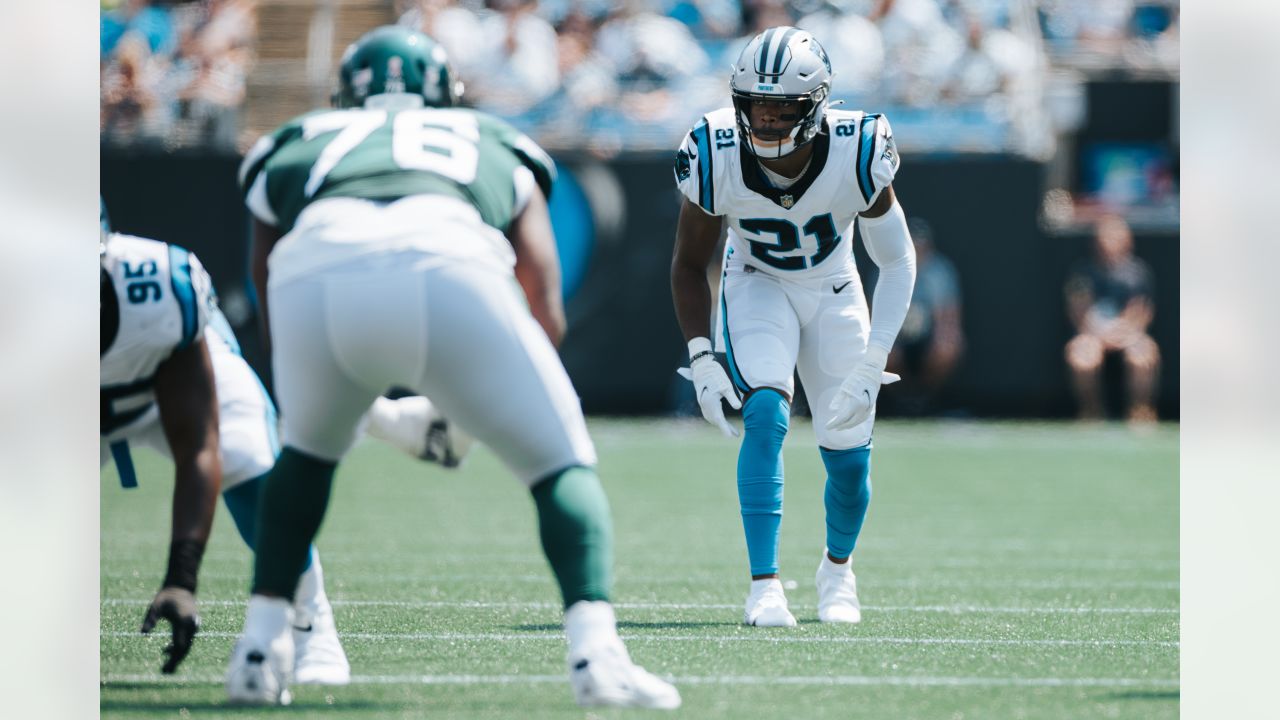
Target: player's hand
(857,395)
(178,606)
(712,385)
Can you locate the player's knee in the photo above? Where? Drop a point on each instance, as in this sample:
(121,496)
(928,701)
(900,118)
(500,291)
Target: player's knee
(849,472)
(1084,353)
(1143,354)
(767,414)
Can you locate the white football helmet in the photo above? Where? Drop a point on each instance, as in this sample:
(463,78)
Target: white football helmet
(783,65)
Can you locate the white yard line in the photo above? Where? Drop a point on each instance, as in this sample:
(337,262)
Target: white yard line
(480,604)
(744,637)
(818,680)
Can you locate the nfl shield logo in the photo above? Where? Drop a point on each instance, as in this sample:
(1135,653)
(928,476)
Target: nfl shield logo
(788,201)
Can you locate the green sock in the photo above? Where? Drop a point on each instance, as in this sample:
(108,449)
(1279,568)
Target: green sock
(577,533)
(294,497)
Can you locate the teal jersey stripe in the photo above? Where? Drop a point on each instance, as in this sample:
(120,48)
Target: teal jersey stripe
(706,184)
(180,272)
(738,380)
(866,148)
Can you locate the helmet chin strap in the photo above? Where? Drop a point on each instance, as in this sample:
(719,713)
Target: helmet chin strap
(776,150)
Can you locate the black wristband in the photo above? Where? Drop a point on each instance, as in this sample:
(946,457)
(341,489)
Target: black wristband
(184,564)
(698,356)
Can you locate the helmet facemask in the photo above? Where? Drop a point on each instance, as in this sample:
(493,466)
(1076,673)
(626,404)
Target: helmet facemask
(771,144)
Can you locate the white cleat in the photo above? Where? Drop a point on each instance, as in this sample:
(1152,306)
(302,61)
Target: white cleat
(767,605)
(261,669)
(604,676)
(320,659)
(837,592)
(257,676)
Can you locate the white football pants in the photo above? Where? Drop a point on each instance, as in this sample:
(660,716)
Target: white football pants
(455,331)
(772,327)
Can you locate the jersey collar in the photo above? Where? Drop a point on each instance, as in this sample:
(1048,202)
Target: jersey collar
(788,197)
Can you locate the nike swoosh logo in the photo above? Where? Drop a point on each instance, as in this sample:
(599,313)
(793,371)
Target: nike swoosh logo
(303,629)
(838,288)
(703,392)
(692,155)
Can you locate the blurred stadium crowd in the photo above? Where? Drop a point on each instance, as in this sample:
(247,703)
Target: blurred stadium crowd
(954,75)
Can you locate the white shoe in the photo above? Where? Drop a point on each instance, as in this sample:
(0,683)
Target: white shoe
(262,661)
(837,592)
(600,671)
(605,676)
(320,659)
(767,605)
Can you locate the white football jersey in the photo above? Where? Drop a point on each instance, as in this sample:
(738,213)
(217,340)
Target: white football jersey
(808,227)
(165,301)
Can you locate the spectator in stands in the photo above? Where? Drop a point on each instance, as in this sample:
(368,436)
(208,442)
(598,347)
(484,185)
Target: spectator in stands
(853,42)
(919,48)
(455,27)
(658,63)
(1093,26)
(517,61)
(151,23)
(217,52)
(1110,303)
(931,341)
(992,63)
(589,81)
(130,106)
(708,19)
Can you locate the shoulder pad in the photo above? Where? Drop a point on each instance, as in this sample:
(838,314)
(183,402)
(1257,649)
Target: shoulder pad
(877,155)
(702,154)
(531,155)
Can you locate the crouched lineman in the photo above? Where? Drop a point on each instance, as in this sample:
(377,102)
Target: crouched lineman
(387,236)
(172,379)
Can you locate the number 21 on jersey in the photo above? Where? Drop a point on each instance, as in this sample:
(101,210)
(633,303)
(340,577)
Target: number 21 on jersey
(786,240)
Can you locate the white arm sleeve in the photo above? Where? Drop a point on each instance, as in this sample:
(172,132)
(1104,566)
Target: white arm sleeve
(888,242)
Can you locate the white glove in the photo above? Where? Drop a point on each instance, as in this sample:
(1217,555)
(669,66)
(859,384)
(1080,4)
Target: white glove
(856,398)
(711,384)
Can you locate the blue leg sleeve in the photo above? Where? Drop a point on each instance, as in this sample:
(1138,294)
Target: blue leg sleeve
(242,503)
(765,415)
(847,496)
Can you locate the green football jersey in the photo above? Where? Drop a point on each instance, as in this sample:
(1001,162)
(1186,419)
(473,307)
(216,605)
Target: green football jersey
(390,154)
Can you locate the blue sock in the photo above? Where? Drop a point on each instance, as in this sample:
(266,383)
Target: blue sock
(847,495)
(765,415)
(242,503)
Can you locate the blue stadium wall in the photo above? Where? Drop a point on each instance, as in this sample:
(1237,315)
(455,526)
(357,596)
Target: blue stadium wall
(615,221)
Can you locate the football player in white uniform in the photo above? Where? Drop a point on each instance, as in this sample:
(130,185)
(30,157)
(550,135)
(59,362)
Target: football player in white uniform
(788,176)
(172,379)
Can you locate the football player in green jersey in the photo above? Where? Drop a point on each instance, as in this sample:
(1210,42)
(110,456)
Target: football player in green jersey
(392,239)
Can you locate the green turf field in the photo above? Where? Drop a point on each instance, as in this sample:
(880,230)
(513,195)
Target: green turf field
(1006,571)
